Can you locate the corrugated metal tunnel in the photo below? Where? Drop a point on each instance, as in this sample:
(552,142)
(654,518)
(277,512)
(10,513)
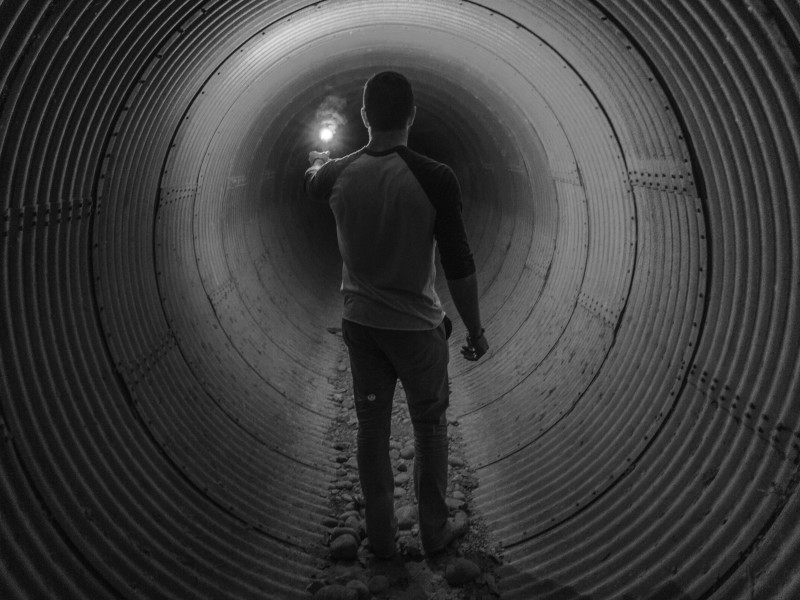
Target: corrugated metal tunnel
(630,174)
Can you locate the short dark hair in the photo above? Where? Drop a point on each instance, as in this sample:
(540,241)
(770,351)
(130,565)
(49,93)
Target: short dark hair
(388,101)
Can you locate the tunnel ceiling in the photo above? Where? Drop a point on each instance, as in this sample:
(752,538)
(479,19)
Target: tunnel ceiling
(629,173)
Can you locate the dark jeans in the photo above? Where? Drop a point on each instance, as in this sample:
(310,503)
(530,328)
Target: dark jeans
(378,357)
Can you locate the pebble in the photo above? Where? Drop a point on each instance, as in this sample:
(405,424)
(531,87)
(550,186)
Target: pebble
(402,467)
(340,531)
(460,519)
(335,592)
(406,517)
(361,589)
(456,462)
(330,522)
(461,571)
(407,453)
(401,479)
(454,504)
(344,547)
(378,584)
(353,523)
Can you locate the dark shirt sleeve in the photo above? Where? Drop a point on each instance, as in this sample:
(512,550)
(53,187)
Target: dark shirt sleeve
(454,250)
(441,186)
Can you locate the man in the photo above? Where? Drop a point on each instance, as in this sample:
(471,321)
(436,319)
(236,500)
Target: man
(392,206)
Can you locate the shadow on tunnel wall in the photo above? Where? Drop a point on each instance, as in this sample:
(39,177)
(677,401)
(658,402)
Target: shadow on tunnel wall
(630,181)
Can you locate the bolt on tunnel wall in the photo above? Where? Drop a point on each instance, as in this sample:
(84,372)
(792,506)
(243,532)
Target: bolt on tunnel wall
(629,176)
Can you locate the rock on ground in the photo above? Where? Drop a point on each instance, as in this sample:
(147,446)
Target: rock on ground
(460,571)
(406,517)
(344,547)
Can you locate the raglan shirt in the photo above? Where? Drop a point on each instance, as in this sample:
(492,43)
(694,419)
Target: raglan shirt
(392,208)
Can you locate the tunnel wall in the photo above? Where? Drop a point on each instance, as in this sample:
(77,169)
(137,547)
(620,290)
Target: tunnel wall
(630,180)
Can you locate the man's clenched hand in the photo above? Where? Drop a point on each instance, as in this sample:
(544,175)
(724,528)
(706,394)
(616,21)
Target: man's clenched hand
(476,347)
(316,155)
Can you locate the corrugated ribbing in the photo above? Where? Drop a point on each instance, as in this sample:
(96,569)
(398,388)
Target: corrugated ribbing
(168,295)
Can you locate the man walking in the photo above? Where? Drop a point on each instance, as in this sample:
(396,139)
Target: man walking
(392,207)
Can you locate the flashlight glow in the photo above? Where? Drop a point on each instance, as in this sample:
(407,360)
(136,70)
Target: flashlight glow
(326,134)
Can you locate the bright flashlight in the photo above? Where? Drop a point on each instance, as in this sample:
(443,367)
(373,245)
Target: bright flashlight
(326,134)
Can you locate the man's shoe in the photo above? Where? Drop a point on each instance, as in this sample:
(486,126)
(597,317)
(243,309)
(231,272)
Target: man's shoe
(456,528)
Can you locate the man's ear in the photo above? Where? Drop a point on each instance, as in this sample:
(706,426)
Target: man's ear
(364,117)
(412,117)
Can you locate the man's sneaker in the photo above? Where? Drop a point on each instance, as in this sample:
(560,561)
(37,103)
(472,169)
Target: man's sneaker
(457,528)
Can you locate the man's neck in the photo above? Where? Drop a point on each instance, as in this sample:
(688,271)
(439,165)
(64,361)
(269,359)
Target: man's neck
(384,140)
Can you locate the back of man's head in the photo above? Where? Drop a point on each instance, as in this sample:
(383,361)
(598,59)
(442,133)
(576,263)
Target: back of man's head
(388,101)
